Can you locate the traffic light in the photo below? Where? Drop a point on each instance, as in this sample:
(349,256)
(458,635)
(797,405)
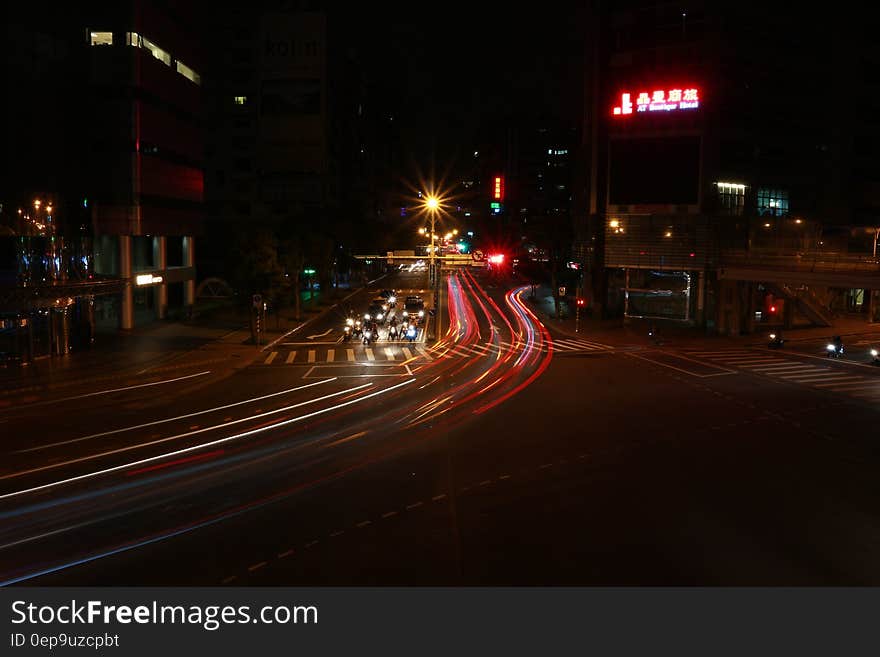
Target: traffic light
(581,302)
(772,309)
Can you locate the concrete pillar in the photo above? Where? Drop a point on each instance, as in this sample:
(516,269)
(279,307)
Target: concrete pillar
(701,298)
(126,309)
(189,260)
(160,262)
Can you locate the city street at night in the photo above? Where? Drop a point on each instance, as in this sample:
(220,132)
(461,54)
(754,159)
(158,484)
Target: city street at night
(466,462)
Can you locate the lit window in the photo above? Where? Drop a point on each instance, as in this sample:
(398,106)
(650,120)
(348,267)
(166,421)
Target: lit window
(772,202)
(157,52)
(133,39)
(188,73)
(731,197)
(240,100)
(101,38)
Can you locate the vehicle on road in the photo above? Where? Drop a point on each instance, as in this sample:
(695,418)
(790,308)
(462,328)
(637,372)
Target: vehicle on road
(776,341)
(834,349)
(414,309)
(376,312)
(390,297)
(875,357)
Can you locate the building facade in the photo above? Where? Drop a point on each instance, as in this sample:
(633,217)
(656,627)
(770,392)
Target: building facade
(709,146)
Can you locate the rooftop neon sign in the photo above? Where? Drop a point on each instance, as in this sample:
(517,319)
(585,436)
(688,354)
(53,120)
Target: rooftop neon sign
(661,100)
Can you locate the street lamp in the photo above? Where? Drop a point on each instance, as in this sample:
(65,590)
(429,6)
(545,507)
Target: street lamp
(432,204)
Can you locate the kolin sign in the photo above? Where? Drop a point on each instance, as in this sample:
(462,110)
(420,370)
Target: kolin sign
(661,100)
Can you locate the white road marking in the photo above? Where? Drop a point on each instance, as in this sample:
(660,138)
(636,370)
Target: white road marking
(271,357)
(311,355)
(291,357)
(407,354)
(331,355)
(423,353)
(389,353)
(369,353)
(350,355)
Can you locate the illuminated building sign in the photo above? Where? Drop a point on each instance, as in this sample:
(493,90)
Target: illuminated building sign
(148,279)
(661,100)
(498,189)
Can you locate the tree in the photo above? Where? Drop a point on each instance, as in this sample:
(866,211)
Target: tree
(257,268)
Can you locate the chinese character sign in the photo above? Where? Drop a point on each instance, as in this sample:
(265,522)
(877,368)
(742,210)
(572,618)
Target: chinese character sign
(498,189)
(658,100)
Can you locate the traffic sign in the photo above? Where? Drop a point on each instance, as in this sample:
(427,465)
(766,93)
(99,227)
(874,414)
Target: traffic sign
(562,290)
(477,255)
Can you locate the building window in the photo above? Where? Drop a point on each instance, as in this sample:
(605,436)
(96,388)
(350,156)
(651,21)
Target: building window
(134,39)
(157,52)
(188,73)
(731,197)
(101,38)
(240,100)
(772,202)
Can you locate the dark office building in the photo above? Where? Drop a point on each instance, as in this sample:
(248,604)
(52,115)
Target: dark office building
(717,131)
(146,153)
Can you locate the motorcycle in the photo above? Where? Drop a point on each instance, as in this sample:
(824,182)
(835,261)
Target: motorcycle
(411,333)
(346,334)
(776,341)
(392,332)
(357,329)
(875,357)
(834,349)
(368,336)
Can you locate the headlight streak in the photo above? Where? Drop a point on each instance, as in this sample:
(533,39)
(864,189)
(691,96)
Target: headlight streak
(172,419)
(178,436)
(458,303)
(107,392)
(203,445)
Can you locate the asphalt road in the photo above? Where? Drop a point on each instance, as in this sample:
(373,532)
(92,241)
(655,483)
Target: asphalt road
(485,460)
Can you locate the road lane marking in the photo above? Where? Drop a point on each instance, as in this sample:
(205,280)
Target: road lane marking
(350,355)
(369,353)
(331,355)
(229,579)
(389,353)
(286,554)
(256,566)
(270,358)
(389,514)
(363,524)
(818,376)
(338,532)
(407,354)
(311,355)
(423,353)
(854,382)
(437,498)
(291,357)
(414,505)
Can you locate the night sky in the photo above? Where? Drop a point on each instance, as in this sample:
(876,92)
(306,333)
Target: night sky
(455,70)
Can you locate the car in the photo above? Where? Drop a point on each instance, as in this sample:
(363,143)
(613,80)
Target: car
(376,312)
(414,309)
(390,297)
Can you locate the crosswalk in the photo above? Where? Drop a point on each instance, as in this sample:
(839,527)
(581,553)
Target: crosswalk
(394,353)
(401,352)
(815,374)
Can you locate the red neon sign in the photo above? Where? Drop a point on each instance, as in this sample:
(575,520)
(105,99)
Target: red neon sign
(659,100)
(498,189)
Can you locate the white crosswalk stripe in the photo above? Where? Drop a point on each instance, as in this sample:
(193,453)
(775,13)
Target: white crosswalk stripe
(791,371)
(331,355)
(407,354)
(271,357)
(311,355)
(291,357)
(369,353)
(350,355)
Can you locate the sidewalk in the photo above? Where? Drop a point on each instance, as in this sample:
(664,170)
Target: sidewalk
(219,340)
(635,331)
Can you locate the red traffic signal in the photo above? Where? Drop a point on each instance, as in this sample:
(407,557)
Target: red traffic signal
(772,309)
(581,301)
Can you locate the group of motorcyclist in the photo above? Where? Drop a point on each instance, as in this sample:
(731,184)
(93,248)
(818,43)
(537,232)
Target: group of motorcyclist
(368,329)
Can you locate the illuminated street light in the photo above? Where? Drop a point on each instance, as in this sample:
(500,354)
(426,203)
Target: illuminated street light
(432,203)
